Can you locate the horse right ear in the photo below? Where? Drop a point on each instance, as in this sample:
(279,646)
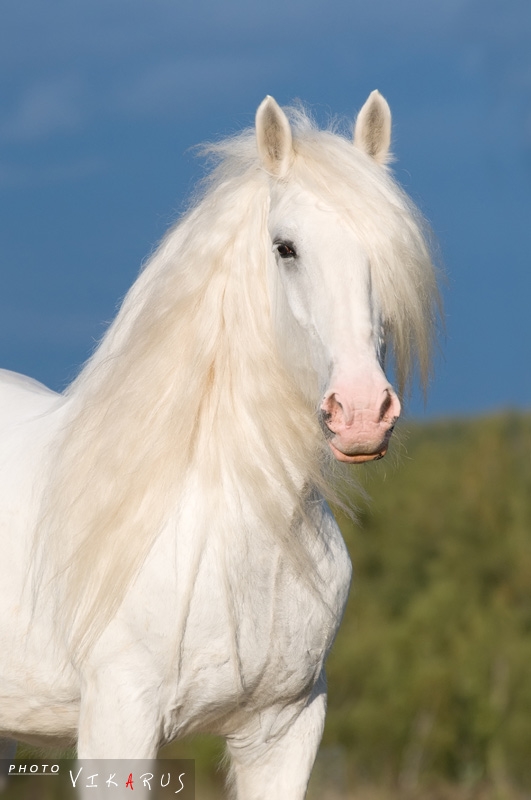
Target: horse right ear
(273,137)
(372,132)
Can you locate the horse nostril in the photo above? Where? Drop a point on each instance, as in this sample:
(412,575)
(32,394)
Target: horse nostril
(390,408)
(324,418)
(386,405)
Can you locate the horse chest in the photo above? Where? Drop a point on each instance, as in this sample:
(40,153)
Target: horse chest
(240,643)
(229,631)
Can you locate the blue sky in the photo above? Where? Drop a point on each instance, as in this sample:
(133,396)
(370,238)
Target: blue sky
(101,101)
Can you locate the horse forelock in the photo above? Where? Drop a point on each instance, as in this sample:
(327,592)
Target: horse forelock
(189,375)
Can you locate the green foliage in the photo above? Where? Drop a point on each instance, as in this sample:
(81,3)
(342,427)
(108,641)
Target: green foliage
(430,676)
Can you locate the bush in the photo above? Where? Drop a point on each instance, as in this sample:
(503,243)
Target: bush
(429,678)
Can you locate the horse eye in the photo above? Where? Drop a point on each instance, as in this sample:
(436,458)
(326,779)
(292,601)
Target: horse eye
(286,250)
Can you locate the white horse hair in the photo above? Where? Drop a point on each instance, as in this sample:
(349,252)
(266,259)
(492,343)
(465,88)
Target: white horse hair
(169,563)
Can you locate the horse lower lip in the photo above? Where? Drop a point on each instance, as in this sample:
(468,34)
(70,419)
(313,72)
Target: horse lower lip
(359,458)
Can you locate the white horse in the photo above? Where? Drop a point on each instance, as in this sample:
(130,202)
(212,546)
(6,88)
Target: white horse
(168,563)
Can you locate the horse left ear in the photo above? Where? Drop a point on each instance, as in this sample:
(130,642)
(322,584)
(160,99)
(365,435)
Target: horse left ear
(273,137)
(372,131)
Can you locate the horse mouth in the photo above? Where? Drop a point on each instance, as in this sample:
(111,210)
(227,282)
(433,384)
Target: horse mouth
(358,458)
(364,453)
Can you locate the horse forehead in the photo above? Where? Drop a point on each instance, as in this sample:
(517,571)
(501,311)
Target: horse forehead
(291,198)
(309,213)
(324,233)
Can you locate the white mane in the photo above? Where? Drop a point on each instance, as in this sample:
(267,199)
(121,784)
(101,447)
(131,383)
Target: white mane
(190,377)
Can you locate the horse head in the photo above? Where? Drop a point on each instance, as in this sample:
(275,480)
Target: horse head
(324,268)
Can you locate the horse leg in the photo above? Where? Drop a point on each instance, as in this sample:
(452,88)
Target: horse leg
(118,718)
(277,765)
(8,748)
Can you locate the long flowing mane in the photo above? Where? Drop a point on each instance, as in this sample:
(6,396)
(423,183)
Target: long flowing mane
(193,377)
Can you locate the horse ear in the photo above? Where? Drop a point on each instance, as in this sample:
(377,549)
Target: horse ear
(372,131)
(273,136)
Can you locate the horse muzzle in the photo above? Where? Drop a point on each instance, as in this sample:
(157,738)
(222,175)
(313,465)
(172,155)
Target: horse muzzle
(356,435)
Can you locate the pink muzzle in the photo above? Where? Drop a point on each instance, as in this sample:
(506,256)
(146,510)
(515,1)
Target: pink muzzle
(358,425)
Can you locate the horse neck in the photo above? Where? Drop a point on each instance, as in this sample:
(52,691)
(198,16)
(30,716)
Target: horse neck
(187,381)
